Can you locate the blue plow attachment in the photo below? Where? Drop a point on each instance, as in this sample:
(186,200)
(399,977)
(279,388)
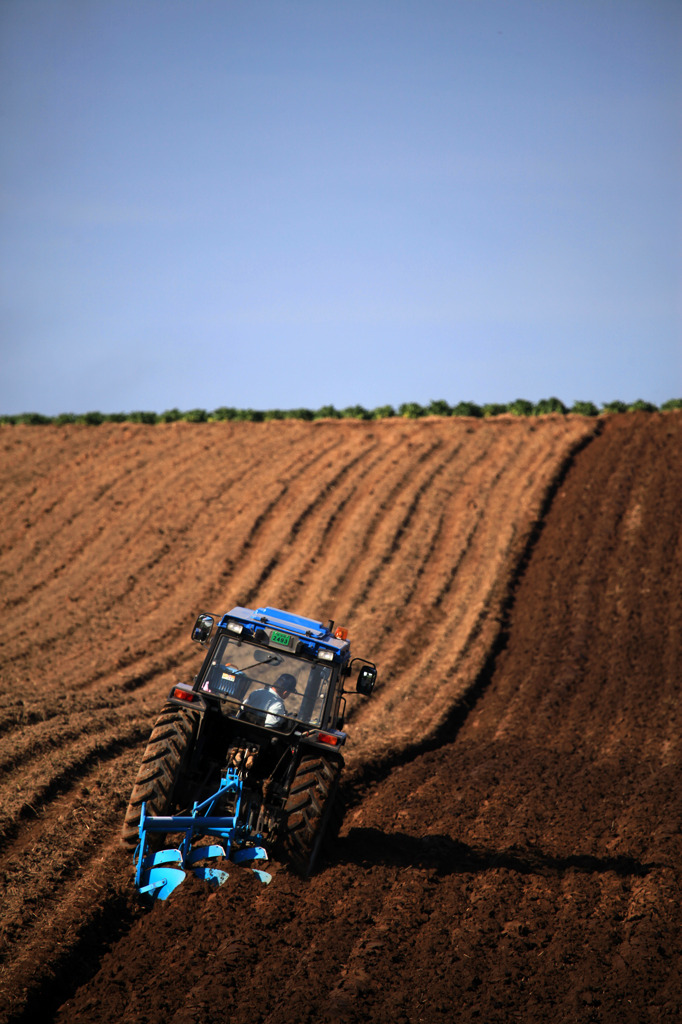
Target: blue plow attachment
(158,874)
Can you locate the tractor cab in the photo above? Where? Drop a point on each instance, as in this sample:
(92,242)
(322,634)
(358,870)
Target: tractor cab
(245,677)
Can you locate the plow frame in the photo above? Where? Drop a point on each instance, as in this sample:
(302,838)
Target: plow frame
(158,873)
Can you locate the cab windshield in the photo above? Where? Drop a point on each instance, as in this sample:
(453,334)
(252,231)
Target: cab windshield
(255,680)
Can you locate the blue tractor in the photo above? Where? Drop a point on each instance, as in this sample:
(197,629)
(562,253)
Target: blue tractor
(245,762)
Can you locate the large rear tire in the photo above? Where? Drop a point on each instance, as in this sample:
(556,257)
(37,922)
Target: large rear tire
(163,763)
(311,812)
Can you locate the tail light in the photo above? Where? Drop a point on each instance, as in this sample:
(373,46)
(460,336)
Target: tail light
(332,739)
(188,695)
(327,737)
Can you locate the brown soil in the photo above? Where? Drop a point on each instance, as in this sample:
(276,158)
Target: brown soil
(512,846)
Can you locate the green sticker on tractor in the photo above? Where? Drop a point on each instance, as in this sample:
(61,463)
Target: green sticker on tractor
(280,638)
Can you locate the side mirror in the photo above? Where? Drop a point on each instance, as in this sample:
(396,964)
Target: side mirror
(367,677)
(202,628)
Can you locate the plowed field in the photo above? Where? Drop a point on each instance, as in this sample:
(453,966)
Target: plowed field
(512,847)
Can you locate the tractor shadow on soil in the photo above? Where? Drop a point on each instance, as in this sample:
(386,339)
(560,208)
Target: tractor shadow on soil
(366,847)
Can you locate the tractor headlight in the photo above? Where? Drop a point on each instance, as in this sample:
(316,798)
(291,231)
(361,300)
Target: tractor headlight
(235,627)
(325,655)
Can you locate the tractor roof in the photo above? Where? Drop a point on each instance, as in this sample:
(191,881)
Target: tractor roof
(314,634)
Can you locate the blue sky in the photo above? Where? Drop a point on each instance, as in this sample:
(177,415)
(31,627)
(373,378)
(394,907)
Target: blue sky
(283,203)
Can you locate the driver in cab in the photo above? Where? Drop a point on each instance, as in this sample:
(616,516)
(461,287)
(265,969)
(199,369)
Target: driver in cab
(270,700)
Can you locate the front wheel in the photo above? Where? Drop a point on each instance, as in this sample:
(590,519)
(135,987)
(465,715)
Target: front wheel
(163,763)
(310,811)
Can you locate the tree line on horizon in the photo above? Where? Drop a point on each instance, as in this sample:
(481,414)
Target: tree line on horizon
(408,410)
